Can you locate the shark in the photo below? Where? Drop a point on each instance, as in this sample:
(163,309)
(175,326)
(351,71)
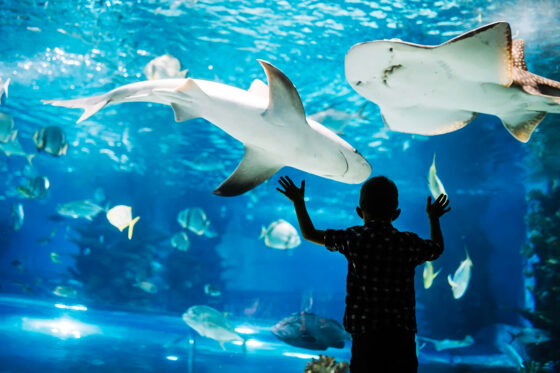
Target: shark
(432,90)
(268,119)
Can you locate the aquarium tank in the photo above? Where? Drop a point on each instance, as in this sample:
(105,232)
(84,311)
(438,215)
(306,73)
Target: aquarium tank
(141,148)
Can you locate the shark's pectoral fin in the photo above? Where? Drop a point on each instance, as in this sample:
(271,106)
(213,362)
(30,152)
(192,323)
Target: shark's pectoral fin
(182,113)
(521,125)
(284,105)
(425,120)
(259,88)
(255,167)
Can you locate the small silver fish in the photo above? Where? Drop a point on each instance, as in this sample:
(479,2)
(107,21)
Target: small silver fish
(13,147)
(4,90)
(79,209)
(7,128)
(210,323)
(17,216)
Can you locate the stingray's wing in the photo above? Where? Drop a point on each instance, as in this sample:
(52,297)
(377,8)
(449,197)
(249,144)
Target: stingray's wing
(483,54)
(480,56)
(425,120)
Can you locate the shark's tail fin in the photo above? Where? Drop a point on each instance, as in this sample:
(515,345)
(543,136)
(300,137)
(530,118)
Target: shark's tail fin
(90,105)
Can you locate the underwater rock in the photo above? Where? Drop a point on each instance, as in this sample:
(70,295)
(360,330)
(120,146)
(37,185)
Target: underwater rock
(310,331)
(326,364)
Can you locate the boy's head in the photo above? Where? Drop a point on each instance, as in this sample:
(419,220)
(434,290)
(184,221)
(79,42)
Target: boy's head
(379,199)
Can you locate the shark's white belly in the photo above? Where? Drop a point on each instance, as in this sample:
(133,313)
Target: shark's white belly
(240,114)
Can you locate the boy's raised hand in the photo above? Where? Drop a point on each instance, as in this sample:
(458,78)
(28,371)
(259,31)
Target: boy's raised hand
(291,191)
(439,207)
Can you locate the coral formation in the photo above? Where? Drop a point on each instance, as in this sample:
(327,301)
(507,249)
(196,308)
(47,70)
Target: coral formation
(326,364)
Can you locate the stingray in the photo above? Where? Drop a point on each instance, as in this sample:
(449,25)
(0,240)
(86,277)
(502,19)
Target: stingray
(432,90)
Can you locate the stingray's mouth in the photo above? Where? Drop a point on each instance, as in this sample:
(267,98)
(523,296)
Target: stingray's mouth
(388,71)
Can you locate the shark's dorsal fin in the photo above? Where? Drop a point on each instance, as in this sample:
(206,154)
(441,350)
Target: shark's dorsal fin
(259,88)
(518,54)
(191,86)
(284,101)
(255,167)
(483,54)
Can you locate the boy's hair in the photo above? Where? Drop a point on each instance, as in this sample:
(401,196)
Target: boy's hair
(379,197)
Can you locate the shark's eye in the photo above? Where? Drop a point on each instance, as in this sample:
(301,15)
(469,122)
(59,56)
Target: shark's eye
(390,49)
(358,82)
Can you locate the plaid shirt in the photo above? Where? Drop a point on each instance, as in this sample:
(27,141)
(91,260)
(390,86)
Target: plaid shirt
(380,282)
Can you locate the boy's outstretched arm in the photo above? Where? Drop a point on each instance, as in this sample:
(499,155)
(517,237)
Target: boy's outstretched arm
(296,195)
(435,211)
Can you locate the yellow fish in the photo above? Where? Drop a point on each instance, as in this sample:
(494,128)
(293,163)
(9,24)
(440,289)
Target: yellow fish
(147,286)
(436,187)
(65,292)
(429,274)
(460,280)
(55,258)
(121,217)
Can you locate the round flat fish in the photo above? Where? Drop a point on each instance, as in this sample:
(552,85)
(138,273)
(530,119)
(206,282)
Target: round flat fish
(120,216)
(164,67)
(35,187)
(193,219)
(52,140)
(280,235)
(180,241)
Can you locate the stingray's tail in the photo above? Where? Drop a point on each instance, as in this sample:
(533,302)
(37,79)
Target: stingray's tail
(90,105)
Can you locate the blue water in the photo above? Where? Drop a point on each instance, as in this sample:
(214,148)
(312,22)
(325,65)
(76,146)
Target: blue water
(139,157)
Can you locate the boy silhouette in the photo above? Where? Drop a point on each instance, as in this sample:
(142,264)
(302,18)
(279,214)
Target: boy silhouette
(380,303)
